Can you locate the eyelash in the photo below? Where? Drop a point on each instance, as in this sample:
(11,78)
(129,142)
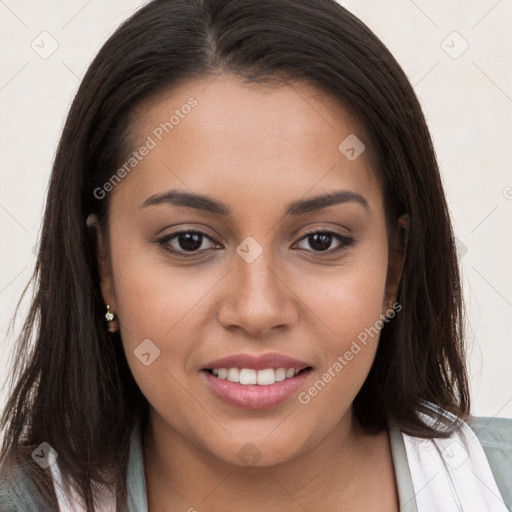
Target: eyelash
(164,242)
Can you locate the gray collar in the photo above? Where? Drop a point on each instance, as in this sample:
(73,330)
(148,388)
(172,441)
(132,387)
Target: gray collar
(406,494)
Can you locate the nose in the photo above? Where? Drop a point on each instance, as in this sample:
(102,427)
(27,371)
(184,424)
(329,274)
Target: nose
(257,298)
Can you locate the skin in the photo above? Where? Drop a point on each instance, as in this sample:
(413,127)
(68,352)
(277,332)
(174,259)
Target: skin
(256,149)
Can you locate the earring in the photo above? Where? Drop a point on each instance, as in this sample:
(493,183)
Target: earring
(389,305)
(113,323)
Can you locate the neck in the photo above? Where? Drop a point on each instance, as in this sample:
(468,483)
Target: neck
(336,471)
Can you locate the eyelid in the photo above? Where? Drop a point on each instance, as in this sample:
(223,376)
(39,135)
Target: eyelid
(165,239)
(320,229)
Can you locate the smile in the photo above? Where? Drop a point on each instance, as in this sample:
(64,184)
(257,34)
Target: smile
(247,388)
(247,376)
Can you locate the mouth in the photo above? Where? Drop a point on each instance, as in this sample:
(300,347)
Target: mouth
(248,388)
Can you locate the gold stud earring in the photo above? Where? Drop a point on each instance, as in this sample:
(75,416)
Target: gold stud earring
(113,324)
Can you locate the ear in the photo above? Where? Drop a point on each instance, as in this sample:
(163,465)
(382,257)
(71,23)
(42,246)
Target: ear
(396,260)
(103,262)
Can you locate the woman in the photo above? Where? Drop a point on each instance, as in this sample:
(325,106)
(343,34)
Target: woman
(247,287)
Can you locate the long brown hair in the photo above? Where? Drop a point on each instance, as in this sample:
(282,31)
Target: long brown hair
(72,386)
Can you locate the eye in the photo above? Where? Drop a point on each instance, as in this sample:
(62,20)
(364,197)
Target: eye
(191,242)
(320,241)
(187,241)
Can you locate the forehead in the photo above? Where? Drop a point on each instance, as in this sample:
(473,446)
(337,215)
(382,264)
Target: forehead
(222,136)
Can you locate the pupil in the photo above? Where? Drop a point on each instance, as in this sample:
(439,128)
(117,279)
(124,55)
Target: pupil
(320,241)
(189,241)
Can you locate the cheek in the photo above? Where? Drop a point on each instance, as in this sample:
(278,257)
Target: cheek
(349,298)
(163,310)
(159,309)
(349,306)
(158,302)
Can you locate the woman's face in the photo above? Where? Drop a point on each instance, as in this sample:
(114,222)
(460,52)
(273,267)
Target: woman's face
(262,272)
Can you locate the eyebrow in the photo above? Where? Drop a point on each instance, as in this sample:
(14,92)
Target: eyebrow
(208,204)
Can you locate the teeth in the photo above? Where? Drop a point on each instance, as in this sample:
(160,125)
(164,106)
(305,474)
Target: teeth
(249,376)
(233,375)
(280,374)
(266,377)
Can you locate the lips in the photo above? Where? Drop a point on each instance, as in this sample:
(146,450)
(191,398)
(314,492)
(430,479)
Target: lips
(255,382)
(272,360)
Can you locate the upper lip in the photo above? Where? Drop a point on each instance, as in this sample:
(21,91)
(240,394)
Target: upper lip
(272,360)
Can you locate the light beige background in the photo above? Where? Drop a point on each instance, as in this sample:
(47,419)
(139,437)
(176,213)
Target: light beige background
(467,98)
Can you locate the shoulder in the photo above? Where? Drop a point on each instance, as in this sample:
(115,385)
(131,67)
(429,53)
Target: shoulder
(495,436)
(486,443)
(19,493)
(495,433)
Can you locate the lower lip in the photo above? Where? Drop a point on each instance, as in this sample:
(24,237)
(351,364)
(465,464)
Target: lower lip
(253,396)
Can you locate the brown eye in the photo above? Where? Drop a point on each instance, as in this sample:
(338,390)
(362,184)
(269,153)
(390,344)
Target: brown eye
(185,242)
(320,241)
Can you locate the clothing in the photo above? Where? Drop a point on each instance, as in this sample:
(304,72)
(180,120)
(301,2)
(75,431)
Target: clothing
(470,471)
